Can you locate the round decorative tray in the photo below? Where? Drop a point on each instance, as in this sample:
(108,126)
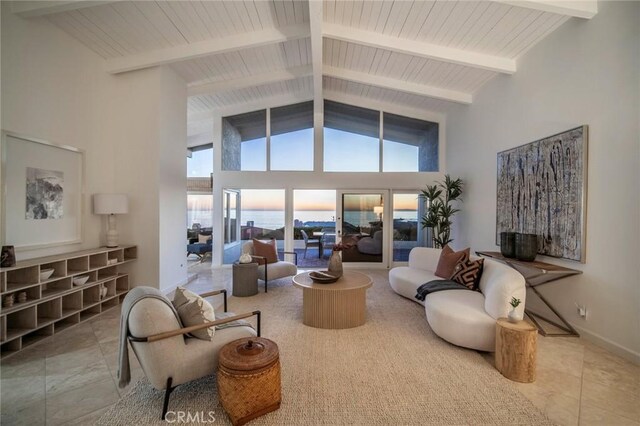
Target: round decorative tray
(323,277)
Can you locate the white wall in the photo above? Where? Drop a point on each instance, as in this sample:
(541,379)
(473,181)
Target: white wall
(172,179)
(132,128)
(54,88)
(148,112)
(587,72)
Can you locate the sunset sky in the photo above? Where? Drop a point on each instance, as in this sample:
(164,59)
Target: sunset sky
(304,200)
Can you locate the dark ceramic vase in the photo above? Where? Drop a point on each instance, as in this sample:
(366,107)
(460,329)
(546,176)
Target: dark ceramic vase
(526,247)
(508,244)
(8,257)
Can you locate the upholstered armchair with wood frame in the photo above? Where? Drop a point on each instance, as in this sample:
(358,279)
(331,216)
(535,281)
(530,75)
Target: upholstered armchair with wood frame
(167,354)
(275,270)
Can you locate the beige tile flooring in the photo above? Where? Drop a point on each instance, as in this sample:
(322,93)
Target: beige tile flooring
(71,377)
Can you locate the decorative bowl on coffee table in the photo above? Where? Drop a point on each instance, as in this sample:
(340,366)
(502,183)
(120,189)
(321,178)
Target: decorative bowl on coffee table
(323,277)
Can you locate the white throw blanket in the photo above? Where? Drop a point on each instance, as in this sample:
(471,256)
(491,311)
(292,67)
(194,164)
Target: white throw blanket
(133,297)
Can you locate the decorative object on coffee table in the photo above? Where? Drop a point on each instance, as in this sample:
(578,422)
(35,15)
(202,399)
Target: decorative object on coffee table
(526,247)
(249,378)
(542,188)
(8,257)
(323,277)
(508,244)
(245,279)
(335,261)
(516,350)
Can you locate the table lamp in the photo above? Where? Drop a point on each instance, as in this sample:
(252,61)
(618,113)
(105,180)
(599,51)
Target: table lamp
(111,204)
(378,210)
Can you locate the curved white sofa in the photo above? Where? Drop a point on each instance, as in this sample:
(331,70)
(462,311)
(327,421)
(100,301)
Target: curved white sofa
(464,318)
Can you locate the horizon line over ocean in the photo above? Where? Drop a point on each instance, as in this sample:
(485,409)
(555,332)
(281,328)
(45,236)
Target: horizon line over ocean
(273,219)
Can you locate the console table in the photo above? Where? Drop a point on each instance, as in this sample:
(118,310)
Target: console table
(535,274)
(55,303)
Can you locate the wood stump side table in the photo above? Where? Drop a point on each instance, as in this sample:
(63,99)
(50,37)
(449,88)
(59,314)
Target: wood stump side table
(516,350)
(245,279)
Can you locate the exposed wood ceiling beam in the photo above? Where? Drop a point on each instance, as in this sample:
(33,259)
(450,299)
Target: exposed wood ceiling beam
(33,9)
(206,47)
(399,85)
(586,9)
(315,25)
(250,81)
(420,49)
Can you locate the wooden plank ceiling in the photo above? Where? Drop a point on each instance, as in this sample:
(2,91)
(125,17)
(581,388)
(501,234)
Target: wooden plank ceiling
(417,54)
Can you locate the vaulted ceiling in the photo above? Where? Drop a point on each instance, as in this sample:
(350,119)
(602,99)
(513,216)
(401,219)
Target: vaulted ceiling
(237,54)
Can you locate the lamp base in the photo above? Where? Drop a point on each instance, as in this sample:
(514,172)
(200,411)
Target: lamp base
(112,233)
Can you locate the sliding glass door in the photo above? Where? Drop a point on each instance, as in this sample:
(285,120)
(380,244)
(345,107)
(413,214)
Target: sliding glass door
(408,209)
(360,227)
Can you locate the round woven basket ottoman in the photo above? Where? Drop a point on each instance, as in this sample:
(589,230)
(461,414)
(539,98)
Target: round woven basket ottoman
(249,378)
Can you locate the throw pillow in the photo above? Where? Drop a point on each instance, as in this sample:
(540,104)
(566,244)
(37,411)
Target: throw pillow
(267,250)
(448,261)
(194,310)
(468,272)
(203,239)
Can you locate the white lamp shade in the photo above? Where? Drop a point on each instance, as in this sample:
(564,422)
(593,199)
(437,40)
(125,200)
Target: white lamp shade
(378,209)
(110,204)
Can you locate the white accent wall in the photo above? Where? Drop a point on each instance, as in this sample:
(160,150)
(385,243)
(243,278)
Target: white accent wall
(132,128)
(587,72)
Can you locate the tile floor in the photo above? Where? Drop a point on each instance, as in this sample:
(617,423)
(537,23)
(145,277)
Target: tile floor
(71,377)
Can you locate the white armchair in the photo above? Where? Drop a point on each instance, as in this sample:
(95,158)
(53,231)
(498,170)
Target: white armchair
(167,355)
(279,269)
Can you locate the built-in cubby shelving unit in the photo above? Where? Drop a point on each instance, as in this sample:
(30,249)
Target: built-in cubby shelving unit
(55,303)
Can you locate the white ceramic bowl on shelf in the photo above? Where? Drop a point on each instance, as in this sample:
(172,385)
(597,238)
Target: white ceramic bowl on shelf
(80,280)
(46,273)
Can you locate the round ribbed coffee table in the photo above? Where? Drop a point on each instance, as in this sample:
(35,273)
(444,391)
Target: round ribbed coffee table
(342,304)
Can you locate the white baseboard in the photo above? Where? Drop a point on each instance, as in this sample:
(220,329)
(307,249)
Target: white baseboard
(607,344)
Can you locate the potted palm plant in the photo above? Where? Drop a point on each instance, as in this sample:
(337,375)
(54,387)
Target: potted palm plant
(440,209)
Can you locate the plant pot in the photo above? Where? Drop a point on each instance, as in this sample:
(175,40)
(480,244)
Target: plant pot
(513,316)
(526,247)
(508,244)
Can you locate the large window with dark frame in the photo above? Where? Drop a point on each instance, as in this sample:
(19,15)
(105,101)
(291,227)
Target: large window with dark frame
(355,140)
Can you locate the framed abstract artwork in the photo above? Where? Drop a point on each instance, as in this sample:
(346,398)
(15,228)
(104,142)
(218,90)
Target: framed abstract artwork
(542,190)
(42,192)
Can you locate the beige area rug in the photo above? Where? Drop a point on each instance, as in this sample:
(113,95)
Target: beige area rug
(392,371)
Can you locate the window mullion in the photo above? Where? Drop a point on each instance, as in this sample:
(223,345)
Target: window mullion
(268,139)
(380,147)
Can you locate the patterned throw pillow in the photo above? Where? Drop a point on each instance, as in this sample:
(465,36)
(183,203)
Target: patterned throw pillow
(194,310)
(448,261)
(267,250)
(468,272)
